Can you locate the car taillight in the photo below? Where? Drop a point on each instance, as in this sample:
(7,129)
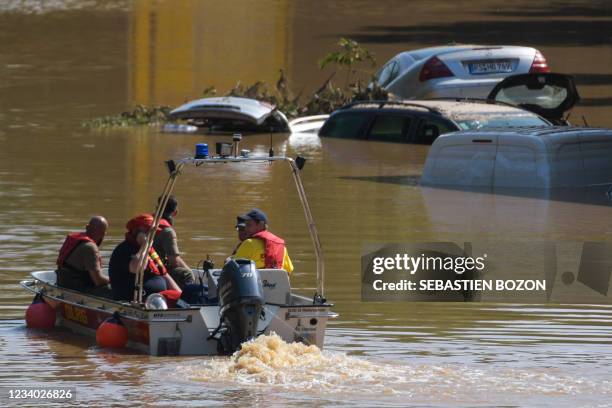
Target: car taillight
(434,68)
(539,64)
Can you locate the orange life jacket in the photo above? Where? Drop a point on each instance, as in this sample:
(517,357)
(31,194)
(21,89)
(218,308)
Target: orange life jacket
(274,249)
(70,243)
(156,266)
(145,221)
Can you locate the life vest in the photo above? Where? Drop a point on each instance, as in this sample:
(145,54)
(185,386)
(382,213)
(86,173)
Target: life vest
(145,221)
(155,264)
(163,224)
(274,249)
(70,243)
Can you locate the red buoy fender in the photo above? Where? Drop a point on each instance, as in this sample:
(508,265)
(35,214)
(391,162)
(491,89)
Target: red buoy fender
(112,333)
(39,314)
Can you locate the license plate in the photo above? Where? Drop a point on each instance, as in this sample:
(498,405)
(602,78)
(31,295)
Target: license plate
(490,67)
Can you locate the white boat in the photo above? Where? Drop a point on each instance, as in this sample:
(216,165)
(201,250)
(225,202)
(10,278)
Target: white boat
(249,302)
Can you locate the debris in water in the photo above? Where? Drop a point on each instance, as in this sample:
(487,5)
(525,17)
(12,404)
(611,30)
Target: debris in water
(324,100)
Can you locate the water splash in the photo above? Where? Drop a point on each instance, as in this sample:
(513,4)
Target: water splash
(270,360)
(303,369)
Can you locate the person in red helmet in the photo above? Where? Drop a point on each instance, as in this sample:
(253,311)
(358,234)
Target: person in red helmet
(123,264)
(79,265)
(261,246)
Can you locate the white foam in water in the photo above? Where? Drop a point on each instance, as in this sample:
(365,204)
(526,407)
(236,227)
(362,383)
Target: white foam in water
(268,360)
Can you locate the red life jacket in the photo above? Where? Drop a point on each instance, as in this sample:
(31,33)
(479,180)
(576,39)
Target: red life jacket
(163,224)
(70,243)
(274,249)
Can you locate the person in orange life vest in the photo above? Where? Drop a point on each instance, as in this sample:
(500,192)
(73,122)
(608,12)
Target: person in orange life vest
(79,265)
(166,246)
(261,246)
(123,263)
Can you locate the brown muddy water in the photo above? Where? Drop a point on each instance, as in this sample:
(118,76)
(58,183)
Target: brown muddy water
(65,61)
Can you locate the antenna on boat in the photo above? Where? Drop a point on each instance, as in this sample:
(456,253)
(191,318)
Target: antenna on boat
(174,171)
(236,139)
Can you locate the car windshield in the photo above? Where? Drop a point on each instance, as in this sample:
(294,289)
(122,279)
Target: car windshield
(475,122)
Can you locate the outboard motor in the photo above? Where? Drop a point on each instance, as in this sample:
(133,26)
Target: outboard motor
(241,301)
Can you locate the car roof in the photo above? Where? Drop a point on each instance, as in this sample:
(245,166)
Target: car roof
(249,108)
(450,108)
(535,132)
(460,109)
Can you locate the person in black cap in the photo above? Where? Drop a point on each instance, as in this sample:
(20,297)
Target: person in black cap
(264,248)
(242,234)
(166,245)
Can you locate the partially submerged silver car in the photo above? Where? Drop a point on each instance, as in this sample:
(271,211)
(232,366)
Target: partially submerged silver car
(230,113)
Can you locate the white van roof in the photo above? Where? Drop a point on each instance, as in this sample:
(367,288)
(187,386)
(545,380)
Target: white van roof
(521,157)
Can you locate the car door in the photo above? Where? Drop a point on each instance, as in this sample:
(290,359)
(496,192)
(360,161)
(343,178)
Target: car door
(428,129)
(548,95)
(465,159)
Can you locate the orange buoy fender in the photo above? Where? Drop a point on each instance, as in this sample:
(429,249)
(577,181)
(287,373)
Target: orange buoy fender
(39,314)
(112,333)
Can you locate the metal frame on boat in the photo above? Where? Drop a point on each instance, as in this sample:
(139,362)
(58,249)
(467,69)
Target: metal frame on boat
(188,330)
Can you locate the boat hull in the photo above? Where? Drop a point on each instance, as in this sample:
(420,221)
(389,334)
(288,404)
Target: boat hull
(179,331)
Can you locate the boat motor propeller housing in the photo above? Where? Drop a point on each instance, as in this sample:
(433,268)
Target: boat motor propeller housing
(241,301)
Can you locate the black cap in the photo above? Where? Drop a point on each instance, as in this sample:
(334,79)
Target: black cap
(255,214)
(240,221)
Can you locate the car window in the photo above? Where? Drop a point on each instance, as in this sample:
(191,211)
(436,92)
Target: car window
(386,75)
(390,128)
(429,129)
(549,97)
(500,121)
(394,72)
(346,125)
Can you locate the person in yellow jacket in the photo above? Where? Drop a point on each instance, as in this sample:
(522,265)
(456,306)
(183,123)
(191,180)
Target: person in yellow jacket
(261,246)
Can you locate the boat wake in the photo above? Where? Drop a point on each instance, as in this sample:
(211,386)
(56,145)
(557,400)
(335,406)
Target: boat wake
(299,368)
(270,360)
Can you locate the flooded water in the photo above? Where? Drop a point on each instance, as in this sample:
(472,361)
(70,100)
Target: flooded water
(65,61)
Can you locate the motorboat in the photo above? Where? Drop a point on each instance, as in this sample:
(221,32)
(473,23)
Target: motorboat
(241,302)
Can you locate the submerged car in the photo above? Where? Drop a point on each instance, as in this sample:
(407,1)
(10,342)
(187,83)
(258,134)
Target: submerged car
(531,100)
(456,71)
(230,113)
(555,157)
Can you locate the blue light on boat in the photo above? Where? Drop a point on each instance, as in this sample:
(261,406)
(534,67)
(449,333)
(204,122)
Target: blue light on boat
(201,151)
